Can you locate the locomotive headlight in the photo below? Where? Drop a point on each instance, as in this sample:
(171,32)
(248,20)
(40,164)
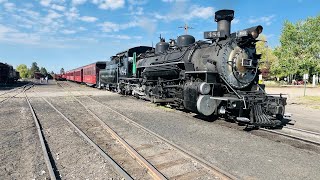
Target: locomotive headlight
(254,34)
(256,31)
(253,31)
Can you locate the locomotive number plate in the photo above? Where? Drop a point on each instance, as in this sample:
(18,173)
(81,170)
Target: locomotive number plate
(212,34)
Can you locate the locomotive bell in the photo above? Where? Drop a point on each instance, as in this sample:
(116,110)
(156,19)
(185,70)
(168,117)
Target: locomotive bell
(223,19)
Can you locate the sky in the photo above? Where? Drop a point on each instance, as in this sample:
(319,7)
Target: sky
(73,33)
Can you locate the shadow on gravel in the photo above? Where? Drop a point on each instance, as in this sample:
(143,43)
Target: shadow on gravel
(206,118)
(12,86)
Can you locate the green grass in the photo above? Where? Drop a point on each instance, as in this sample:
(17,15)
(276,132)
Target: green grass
(311,98)
(165,108)
(315,107)
(310,101)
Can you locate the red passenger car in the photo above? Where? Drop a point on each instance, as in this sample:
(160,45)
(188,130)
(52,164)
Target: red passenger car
(70,75)
(67,75)
(91,72)
(78,75)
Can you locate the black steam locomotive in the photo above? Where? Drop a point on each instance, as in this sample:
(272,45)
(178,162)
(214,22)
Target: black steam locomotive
(214,77)
(8,74)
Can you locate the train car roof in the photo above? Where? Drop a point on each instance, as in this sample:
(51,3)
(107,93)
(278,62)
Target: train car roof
(81,67)
(138,49)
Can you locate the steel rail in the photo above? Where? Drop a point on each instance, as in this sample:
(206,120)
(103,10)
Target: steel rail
(209,166)
(41,137)
(141,160)
(12,90)
(24,88)
(151,169)
(291,136)
(116,166)
(302,130)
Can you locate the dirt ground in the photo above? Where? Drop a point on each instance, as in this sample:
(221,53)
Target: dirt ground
(245,155)
(20,151)
(305,110)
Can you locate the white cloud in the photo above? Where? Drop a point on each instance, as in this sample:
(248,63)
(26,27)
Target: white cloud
(45,3)
(147,24)
(181,13)
(113,27)
(30,13)
(119,36)
(200,12)
(109,4)
(9,6)
(23,21)
(82,28)
(137,2)
(88,19)
(170,1)
(3,1)
(58,7)
(136,10)
(11,35)
(235,21)
(110,27)
(264,19)
(66,31)
(72,14)
(5,29)
(78,2)
(51,16)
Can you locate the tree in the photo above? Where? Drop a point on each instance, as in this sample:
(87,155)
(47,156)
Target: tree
(43,71)
(268,57)
(23,70)
(34,68)
(61,71)
(299,52)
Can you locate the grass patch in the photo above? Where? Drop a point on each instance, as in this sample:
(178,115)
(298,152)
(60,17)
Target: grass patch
(310,101)
(311,98)
(316,107)
(165,108)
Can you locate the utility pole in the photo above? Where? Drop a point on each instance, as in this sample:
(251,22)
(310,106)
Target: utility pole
(186,28)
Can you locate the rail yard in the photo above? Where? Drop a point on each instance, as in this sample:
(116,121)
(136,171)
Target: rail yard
(229,101)
(65,130)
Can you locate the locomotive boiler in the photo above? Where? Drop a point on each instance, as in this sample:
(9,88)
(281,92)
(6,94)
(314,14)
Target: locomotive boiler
(215,77)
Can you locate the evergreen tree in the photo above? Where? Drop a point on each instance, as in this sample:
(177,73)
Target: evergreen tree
(43,71)
(34,68)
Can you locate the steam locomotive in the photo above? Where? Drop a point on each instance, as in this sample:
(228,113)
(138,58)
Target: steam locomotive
(8,74)
(215,77)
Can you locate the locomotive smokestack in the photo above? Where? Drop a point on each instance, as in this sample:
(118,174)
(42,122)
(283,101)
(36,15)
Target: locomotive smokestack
(223,19)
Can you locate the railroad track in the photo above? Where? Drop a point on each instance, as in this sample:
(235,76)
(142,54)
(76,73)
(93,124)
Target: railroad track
(114,164)
(44,148)
(298,137)
(54,174)
(19,89)
(303,130)
(206,167)
(12,90)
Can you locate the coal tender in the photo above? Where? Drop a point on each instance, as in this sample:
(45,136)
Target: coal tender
(215,77)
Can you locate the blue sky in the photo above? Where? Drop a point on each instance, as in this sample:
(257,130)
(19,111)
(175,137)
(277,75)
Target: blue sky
(73,33)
